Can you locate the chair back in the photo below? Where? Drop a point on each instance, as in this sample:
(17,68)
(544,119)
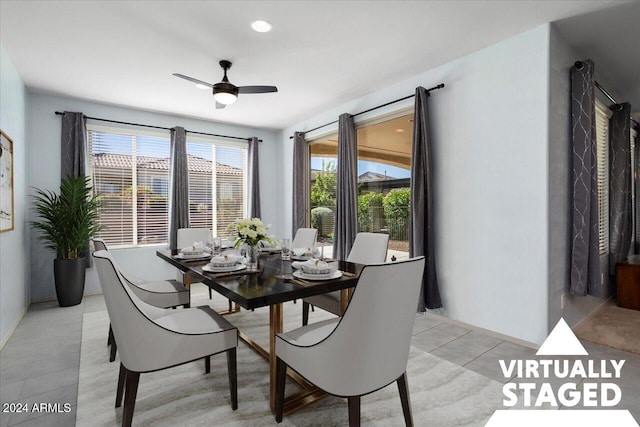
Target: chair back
(369,248)
(369,348)
(305,238)
(137,336)
(99,245)
(187,236)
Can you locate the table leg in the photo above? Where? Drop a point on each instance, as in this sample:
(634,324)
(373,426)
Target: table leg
(344,300)
(186,281)
(275,327)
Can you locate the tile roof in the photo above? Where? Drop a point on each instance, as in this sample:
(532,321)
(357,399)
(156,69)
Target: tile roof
(194,163)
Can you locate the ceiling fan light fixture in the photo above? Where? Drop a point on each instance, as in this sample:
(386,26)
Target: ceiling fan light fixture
(225,98)
(261,26)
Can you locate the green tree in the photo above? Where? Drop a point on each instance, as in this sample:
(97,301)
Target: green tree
(370,211)
(396,211)
(323,190)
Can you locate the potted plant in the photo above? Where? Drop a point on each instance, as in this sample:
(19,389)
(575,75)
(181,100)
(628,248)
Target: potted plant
(66,223)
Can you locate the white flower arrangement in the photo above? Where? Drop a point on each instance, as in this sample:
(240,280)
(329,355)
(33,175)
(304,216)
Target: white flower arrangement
(250,231)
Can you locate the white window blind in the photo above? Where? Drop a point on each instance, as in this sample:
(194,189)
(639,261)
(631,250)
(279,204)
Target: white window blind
(130,170)
(602,147)
(223,168)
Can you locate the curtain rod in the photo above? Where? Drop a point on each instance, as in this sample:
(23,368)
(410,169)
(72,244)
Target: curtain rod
(440,86)
(578,65)
(58,113)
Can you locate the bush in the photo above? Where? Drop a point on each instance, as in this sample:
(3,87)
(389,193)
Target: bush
(323,220)
(370,212)
(396,212)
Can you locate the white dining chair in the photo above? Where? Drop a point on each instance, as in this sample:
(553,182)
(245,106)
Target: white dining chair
(158,293)
(364,350)
(148,345)
(368,248)
(305,238)
(187,237)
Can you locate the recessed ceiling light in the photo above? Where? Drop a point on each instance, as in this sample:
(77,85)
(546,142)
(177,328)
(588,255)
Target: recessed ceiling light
(399,130)
(199,86)
(261,26)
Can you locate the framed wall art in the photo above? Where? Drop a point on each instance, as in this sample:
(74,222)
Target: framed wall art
(6,182)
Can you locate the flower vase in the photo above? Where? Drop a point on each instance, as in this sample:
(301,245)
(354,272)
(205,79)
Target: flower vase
(253,254)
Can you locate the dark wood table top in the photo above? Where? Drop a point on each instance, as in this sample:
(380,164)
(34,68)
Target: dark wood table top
(266,287)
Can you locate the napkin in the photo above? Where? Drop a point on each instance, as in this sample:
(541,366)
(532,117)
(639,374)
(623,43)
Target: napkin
(196,247)
(301,251)
(227,258)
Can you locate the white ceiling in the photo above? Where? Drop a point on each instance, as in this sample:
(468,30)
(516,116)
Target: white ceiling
(320,54)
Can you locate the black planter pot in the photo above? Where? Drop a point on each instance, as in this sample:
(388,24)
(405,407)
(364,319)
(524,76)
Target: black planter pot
(69,276)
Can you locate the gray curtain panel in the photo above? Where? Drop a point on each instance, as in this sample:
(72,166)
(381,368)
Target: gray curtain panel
(178,185)
(585,256)
(421,223)
(74,138)
(346,189)
(72,157)
(636,162)
(300,182)
(620,226)
(254,179)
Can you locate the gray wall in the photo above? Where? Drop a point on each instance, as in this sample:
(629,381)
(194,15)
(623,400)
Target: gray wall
(14,247)
(44,172)
(489,129)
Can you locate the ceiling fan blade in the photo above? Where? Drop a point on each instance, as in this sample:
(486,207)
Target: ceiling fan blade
(191,79)
(257,89)
(219,106)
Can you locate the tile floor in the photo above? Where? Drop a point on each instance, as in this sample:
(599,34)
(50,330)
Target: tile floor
(41,361)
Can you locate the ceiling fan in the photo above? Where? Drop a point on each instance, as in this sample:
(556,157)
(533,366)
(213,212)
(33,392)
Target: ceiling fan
(224,92)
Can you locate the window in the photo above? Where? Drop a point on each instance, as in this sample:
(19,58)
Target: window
(124,160)
(222,167)
(384,171)
(602,147)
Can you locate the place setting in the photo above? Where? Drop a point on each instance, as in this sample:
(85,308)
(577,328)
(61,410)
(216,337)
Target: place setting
(226,265)
(198,251)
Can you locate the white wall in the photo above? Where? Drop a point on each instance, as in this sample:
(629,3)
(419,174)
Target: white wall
(14,247)
(44,172)
(489,131)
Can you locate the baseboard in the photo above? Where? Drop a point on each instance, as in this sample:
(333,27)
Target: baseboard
(13,328)
(489,332)
(88,294)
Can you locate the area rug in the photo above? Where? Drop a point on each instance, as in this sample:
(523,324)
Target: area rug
(442,393)
(613,326)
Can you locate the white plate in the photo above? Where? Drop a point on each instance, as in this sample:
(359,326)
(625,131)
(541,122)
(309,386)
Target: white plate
(335,274)
(196,256)
(213,269)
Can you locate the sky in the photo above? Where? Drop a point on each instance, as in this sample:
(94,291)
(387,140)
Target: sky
(365,166)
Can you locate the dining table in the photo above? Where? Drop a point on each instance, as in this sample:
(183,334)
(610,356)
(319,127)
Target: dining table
(270,286)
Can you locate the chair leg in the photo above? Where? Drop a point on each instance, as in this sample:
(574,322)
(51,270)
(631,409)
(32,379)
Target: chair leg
(110,338)
(403,389)
(121,379)
(232,367)
(207,365)
(230,303)
(114,349)
(354,411)
(305,313)
(210,294)
(281,377)
(131,391)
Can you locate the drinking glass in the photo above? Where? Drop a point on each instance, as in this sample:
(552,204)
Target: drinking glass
(216,245)
(285,244)
(318,253)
